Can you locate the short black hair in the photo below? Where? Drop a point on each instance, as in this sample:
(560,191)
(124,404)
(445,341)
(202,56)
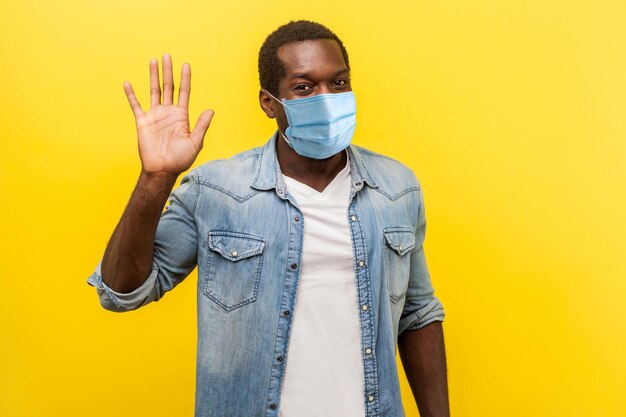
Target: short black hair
(271,68)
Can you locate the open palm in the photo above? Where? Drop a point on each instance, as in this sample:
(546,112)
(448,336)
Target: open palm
(166,144)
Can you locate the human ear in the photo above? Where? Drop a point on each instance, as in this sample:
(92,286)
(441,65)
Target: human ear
(265,101)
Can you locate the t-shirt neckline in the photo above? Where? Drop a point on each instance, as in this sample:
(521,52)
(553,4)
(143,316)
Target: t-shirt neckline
(330,188)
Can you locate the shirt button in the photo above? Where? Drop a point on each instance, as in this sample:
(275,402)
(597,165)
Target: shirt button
(273,406)
(357,184)
(364,307)
(368,351)
(280,192)
(294,266)
(286,313)
(370,398)
(361,264)
(279,358)
(353,218)
(297,219)
(401,248)
(234,254)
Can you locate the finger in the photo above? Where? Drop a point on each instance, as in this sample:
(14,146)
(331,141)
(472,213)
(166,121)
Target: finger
(185,86)
(155,86)
(132,99)
(168,80)
(197,136)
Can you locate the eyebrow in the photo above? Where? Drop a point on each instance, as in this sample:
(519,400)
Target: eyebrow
(307,75)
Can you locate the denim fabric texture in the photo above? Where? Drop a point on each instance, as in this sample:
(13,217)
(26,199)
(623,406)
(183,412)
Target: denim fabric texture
(235,221)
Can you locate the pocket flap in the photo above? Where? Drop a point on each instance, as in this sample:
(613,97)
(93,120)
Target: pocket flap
(236,246)
(401,240)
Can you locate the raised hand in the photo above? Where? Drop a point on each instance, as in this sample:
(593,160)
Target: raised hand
(166,145)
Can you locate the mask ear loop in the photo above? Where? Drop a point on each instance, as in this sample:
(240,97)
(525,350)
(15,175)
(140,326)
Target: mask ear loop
(281,103)
(285,137)
(272,96)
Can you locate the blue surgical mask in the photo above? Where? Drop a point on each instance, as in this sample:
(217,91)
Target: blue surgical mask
(321,125)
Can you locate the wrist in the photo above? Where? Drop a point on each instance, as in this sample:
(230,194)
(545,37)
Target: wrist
(155,183)
(158,177)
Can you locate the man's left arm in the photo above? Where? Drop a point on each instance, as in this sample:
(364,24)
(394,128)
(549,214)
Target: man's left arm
(423,356)
(420,332)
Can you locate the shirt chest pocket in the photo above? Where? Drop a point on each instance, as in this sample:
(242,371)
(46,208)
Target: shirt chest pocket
(233,270)
(399,241)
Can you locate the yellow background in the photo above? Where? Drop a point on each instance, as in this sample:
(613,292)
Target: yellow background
(512,114)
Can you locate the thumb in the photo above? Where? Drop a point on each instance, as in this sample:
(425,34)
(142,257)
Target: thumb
(197,136)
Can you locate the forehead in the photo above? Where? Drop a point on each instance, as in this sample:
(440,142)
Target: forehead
(311,56)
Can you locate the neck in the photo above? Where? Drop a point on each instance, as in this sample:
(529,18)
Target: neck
(316,173)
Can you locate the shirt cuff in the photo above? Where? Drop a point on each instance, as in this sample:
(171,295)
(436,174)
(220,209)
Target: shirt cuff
(119,301)
(433,311)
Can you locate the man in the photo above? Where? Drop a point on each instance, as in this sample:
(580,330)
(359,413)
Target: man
(309,249)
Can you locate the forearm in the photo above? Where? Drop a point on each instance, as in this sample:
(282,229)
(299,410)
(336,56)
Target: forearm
(127,259)
(423,356)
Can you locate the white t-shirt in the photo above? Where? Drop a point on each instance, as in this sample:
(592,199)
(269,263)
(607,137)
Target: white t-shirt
(324,366)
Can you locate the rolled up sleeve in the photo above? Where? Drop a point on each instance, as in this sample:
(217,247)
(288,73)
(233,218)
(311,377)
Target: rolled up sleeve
(116,301)
(421,306)
(175,253)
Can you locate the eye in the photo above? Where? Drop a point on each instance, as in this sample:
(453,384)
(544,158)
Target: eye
(340,83)
(302,87)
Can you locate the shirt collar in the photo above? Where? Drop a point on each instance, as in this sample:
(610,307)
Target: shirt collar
(268,175)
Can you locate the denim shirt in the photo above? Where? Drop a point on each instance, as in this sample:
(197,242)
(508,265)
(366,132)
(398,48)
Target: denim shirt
(234,219)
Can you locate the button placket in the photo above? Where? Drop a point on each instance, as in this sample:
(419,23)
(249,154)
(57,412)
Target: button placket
(295,224)
(365,298)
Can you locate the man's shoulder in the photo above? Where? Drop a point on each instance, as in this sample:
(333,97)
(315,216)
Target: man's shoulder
(388,172)
(231,176)
(240,162)
(371,156)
